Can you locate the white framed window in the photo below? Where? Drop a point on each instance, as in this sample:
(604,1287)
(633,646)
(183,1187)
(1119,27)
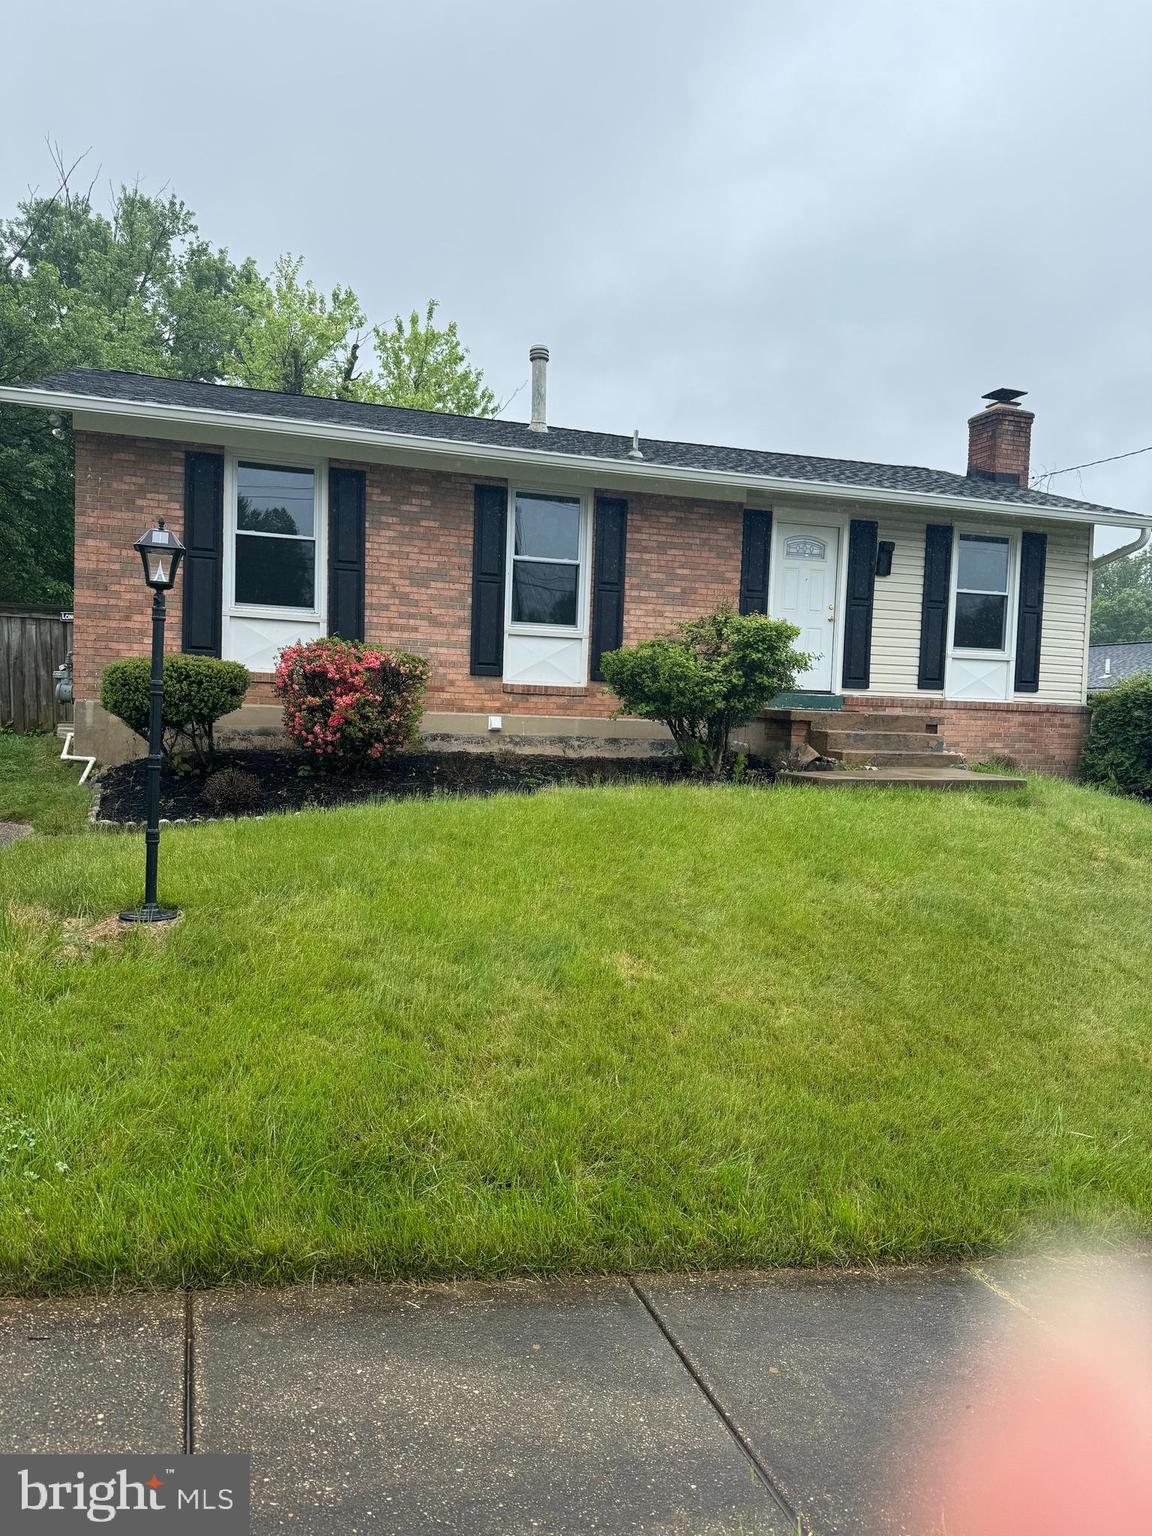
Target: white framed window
(981,604)
(547,563)
(275,538)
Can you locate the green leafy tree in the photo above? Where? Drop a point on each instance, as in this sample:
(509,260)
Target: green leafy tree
(135,289)
(1122,602)
(426,367)
(705,678)
(300,341)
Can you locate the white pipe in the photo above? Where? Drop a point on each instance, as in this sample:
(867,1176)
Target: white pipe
(538,357)
(67,757)
(1134,548)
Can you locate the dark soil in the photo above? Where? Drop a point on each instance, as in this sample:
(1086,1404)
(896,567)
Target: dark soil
(288,781)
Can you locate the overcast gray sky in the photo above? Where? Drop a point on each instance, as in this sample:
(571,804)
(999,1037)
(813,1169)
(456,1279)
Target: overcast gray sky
(820,228)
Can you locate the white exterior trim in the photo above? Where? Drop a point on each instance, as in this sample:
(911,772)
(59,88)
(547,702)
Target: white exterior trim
(557,639)
(1006,655)
(281,626)
(535,461)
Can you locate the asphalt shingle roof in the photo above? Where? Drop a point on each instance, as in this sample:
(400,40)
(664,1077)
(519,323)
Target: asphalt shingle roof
(136,388)
(1122,661)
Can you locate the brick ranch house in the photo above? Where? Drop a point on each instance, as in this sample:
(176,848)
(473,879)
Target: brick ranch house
(512,556)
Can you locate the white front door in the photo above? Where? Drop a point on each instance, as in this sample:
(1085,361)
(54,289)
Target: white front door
(806,566)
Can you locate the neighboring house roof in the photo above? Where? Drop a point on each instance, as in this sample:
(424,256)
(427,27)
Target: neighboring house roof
(1110,664)
(905,480)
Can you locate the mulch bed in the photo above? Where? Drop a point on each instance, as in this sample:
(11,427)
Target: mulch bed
(289,782)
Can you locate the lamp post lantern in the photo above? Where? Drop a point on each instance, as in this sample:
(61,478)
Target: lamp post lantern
(160,553)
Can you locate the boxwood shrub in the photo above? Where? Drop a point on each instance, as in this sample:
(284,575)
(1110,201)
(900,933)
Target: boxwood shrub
(1118,753)
(198,690)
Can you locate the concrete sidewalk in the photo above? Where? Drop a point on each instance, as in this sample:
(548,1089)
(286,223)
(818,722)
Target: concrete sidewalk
(738,1404)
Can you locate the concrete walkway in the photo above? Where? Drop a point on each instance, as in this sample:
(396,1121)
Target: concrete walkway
(740,1404)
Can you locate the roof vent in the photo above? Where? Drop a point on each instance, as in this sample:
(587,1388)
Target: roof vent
(538,357)
(634,451)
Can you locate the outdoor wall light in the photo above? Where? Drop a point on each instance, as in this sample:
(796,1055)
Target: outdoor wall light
(160,553)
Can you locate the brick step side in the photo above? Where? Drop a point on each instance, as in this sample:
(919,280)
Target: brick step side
(862,720)
(880,759)
(830,743)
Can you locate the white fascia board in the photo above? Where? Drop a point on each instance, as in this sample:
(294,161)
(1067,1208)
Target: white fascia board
(498,459)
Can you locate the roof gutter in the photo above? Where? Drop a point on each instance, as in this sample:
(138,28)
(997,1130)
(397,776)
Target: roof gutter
(1124,550)
(497,455)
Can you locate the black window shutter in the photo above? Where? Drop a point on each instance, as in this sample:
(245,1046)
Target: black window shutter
(1030,617)
(754,555)
(203,595)
(934,605)
(608,579)
(862,538)
(346,491)
(489,545)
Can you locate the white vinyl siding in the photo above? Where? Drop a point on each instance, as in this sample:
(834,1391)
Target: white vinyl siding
(896,608)
(1064,630)
(896,611)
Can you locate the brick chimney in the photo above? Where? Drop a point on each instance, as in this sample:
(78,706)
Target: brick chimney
(1000,439)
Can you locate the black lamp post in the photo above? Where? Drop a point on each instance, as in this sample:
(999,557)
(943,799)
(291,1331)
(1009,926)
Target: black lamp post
(160,552)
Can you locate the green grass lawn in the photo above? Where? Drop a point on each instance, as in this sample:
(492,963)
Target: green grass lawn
(36,787)
(591,1029)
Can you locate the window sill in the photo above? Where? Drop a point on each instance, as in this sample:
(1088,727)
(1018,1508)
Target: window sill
(547,631)
(262,611)
(577,690)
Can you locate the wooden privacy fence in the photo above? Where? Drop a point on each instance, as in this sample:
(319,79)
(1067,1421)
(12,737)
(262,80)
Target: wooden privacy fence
(31,644)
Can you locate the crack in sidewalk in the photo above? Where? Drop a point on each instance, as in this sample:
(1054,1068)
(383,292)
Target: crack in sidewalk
(189,1446)
(771,1486)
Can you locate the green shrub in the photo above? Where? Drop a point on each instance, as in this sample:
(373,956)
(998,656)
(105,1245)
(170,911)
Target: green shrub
(198,690)
(232,792)
(709,675)
(1118,753)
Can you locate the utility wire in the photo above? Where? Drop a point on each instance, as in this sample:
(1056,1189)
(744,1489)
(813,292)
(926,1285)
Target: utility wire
(1050,474)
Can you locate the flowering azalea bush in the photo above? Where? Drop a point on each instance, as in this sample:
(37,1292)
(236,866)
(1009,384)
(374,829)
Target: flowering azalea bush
(346,701)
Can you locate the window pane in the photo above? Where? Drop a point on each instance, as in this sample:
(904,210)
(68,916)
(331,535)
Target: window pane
(543,594)
(983,564)
(278,572)
(271,500)
(548,527)
(980,621)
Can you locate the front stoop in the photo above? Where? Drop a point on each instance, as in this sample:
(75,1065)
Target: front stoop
(880,741)
(902,778)
(892,749)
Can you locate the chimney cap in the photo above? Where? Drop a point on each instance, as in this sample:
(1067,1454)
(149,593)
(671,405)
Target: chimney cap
(538,352)
(1004,396)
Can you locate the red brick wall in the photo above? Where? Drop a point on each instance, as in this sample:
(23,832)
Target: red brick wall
(1044,738)
(123,484)
(683,559)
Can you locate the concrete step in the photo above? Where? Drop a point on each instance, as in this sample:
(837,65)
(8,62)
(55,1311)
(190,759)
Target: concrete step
(880,759)
(905,778)
(832,742)
(863,720)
